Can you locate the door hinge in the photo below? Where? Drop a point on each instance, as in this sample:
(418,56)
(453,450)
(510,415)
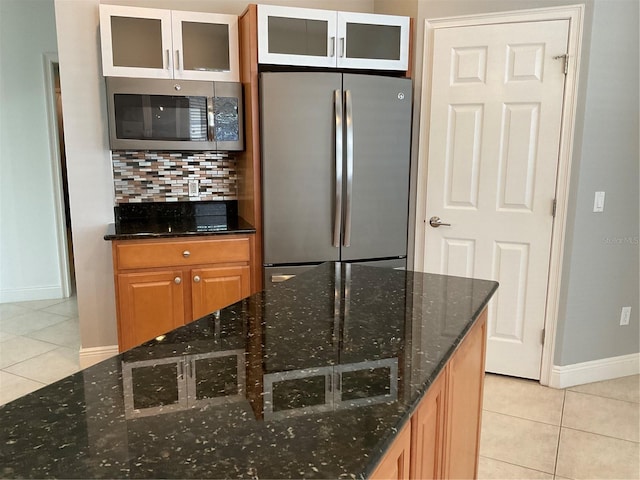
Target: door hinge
(565,57)
(542,336)
(553,208)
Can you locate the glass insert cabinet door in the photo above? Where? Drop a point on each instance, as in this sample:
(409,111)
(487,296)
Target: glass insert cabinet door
(205,46)
(296,36)
(136,42)
(373,41)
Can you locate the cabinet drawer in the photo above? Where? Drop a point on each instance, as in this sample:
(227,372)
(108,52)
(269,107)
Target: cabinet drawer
(179,253)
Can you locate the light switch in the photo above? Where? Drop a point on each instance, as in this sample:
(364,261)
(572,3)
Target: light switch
(598,203)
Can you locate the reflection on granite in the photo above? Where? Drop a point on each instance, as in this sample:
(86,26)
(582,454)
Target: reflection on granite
(176,219)
(311,379)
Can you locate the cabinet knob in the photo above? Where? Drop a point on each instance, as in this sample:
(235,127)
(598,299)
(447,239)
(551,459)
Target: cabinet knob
(177,280)
(186,254)
(196,279)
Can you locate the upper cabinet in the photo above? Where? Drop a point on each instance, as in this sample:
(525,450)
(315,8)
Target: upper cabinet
(156,43)
(325,38)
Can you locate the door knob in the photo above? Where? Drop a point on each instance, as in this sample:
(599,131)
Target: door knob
(177,280)
(186,254)
(196,279)
(435,222)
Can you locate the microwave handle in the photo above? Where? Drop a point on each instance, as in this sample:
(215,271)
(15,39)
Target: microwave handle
(211,120)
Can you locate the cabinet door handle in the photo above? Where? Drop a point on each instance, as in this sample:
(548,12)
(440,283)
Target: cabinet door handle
(177,280)
(168,67)
(178,60)
(196,279)
(332,50)
(341,47)
(186,254)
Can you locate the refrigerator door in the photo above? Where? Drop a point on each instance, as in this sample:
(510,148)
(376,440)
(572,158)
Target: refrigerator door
(298,166)
(376,201)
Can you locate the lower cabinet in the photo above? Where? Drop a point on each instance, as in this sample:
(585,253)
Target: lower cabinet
(163,284)
(396,462)
(443,439)
(215,288)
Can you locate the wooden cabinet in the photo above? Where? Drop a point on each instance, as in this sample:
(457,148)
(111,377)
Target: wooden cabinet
(325,38)
(428,424)
(444,438)
(156,43)
(216,287)
(163,284)
(396,463)
(465,382)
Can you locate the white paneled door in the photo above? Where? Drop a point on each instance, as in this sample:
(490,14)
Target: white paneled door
(494,133)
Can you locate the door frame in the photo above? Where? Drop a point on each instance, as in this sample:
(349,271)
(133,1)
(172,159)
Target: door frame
(575,15)
(49,60)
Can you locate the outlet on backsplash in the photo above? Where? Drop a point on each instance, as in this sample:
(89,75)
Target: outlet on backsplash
(193,189)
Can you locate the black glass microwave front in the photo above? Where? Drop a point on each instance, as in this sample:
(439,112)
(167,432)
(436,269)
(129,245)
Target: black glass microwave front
(148,114)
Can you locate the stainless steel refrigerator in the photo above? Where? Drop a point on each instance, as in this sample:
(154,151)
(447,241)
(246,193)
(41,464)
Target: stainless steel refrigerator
(335,169)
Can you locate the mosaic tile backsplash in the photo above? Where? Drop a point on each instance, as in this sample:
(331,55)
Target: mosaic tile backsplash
(164,176)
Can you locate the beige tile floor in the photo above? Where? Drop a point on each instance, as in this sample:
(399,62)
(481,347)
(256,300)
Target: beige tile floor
(39,344)
(528,431)
(584,432)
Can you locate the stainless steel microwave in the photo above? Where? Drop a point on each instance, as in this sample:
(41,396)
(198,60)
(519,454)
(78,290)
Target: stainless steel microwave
(158,114)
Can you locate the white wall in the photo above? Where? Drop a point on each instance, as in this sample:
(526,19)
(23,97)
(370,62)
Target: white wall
(29,265)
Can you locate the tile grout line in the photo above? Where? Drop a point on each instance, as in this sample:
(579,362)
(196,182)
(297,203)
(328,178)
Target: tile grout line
(602,435)
(527,419)
(517,465)
(602,396)
(555,463)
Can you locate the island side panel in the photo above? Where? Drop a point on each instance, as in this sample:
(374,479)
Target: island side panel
(396,461)
(465,373)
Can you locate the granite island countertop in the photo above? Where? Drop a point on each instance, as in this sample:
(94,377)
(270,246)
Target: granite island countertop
(312,378)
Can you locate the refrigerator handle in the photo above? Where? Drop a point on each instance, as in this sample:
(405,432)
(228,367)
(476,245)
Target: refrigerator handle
(349,195)
(337,216)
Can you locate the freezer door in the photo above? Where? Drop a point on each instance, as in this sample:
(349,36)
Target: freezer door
(298,166)
(378,110)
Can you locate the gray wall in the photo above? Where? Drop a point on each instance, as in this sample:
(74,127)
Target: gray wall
(29,265)
(600,272)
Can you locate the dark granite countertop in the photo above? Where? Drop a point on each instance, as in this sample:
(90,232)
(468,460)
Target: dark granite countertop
(176,219)
(312,378)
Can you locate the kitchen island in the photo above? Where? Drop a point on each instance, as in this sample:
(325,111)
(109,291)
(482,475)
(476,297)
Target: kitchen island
(322,376)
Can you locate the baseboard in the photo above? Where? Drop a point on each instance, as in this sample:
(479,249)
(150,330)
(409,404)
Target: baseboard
(91,356)
(31,294)
(594,371)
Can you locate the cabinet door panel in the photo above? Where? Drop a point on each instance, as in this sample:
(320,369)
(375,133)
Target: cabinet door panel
(216,288)
(205,46)
(296,36)
(428,433)
(136,42)
(149,305)
(395,464)
(373,41)
(464,404)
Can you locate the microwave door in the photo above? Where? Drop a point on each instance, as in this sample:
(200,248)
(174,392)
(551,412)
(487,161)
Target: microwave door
(147,119)
(211,120)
